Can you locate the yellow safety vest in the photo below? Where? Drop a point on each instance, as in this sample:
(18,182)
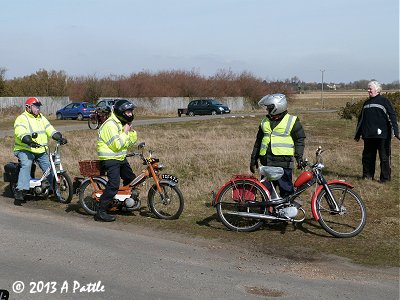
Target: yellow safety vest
(112,141)
(279,138)
(26,124)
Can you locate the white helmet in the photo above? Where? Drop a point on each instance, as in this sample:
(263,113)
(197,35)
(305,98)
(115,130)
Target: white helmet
(274,103)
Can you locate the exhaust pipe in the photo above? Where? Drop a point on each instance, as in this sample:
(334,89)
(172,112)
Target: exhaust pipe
(257,216)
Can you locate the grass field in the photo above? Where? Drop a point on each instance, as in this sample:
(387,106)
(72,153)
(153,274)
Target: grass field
(204,155)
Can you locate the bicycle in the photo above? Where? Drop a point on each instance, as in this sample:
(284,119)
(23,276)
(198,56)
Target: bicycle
(98,117)
(244,202)
(164,198)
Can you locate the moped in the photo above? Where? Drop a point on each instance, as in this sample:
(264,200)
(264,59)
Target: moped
(40,186)
(245,202)
(164,198)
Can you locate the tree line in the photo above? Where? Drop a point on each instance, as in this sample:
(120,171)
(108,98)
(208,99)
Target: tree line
(175,83)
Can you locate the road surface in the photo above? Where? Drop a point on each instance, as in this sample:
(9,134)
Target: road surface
(56,255)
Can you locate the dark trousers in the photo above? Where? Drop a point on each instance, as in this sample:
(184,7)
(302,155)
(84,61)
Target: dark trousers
(115,170)
(284,183)
(371,147)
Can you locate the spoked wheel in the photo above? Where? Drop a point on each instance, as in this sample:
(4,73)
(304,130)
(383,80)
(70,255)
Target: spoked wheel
(93,122)
(236,201)
(87,194)
(168,207)
(63,189)
(351,217)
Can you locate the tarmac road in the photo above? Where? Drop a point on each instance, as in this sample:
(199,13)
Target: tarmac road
(67,256)
(84,124)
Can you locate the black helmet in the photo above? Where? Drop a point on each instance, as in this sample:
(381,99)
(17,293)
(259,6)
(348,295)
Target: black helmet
(120,107)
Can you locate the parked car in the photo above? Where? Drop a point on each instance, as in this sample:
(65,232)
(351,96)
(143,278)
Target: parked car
(76,110)
(106,103)
(206,107)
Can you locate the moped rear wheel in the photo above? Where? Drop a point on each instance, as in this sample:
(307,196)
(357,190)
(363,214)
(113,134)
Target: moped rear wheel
(64,189)
(87,197)
(351,217)
(168,207)
(237,201)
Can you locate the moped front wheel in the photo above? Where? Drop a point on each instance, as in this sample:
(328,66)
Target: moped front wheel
(87,194)
(349,220)
(63,189)
(167,205)
(237,205)
(93,122)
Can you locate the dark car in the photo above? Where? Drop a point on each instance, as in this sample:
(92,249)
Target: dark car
(76,110)
(106,103)
(206,107)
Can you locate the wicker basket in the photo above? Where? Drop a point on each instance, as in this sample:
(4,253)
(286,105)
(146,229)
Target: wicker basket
(90,168)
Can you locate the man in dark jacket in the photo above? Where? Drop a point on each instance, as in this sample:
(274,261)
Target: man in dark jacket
(377,124)
(280,138)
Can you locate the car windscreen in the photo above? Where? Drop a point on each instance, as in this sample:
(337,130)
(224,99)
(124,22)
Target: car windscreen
(214,102)
(88,105)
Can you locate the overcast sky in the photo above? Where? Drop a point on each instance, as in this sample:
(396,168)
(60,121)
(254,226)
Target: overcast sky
(272,39)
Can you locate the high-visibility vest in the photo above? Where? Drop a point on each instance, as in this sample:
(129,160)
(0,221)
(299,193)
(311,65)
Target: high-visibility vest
(279,138)
(112,141)
(26,124)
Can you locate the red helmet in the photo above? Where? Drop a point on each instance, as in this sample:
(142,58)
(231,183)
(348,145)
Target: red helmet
(32,101)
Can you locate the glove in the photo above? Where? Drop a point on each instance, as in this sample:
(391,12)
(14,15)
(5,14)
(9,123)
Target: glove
(58,137)
(300,163)
(33,144)
(253,166)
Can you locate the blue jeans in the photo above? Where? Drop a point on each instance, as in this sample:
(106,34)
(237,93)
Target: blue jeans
(26,159)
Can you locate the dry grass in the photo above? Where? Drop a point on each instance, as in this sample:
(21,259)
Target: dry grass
(204,155)
(329,100)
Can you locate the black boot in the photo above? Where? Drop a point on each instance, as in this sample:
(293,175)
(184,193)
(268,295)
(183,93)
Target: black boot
(101,215)
(19,198)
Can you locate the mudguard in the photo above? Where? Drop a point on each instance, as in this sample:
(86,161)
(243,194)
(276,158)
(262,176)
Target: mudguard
(216,197)
(77,183)
(318,190)
(168,182)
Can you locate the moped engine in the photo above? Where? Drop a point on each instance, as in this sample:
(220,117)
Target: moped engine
(131,204)
(288,212)
(42,189)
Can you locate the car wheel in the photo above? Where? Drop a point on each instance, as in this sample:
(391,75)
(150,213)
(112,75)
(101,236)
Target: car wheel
(80,117)
(191,113)
(59,116)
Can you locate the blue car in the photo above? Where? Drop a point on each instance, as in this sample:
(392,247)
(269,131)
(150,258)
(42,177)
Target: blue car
(76,110)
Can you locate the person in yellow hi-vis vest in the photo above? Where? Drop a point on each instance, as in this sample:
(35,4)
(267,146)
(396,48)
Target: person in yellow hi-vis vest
(280,140)
(27,150)
(115,136)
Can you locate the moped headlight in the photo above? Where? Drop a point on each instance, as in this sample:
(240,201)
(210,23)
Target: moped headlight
(161,166)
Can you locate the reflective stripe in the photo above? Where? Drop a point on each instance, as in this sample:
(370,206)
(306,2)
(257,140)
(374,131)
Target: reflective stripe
(376,106)
(287,129)
(112,139)
(124,152)
(282,145)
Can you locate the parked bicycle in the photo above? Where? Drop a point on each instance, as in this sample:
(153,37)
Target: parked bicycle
(244,202)
(164,198)
(40,187)
(98,117)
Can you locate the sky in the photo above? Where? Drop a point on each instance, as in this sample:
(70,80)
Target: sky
(341,40)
